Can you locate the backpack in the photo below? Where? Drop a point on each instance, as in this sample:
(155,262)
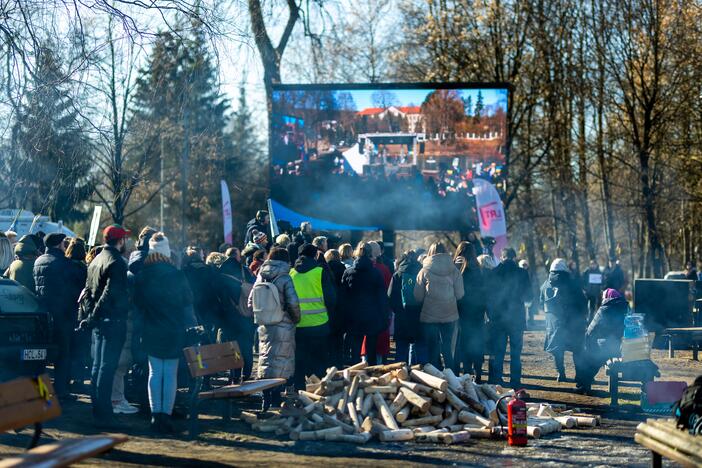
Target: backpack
(408,282)
(267,309)
(688,411)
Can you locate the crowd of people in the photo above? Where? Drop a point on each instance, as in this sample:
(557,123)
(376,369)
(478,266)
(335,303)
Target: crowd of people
(331,307)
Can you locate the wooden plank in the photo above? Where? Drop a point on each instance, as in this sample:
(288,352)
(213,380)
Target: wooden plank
(665,450)
(245,389)
(23,406)
(64,452)
(230,348)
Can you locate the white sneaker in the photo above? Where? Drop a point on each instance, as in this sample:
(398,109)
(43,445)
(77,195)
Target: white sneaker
(123,407)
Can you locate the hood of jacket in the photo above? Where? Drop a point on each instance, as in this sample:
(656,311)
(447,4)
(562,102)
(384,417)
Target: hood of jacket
(303,264)
(271,269)
(440,264)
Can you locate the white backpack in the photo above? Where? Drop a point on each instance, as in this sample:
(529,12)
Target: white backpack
(267,308)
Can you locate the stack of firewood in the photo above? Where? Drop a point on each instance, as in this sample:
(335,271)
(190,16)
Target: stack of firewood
(396,403)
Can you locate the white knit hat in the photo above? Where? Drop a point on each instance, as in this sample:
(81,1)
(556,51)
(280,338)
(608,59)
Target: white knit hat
(559,264)
(159,244)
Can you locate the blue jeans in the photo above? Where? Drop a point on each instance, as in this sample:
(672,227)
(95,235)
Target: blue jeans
(163,384)
(108,341)
(437,340)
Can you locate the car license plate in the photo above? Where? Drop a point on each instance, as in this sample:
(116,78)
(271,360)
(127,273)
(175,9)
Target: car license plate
(34,354)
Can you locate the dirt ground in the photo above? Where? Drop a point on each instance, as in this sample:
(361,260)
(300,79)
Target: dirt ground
(233,444)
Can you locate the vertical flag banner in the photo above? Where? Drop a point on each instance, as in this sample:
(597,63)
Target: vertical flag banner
(491,214)
(95,225)
(272,221)
(226,213)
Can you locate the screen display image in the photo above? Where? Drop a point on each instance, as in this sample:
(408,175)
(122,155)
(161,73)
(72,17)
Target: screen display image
(399,157)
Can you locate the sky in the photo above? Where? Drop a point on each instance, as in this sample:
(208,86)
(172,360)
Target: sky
(364,98)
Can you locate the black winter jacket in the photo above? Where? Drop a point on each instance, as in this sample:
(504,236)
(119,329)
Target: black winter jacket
(337,268)
(406,314)
(363,299)
(107,283)
(472,306)
(206,285)
(56,280)
(512,290)
(608,322)
(163,297)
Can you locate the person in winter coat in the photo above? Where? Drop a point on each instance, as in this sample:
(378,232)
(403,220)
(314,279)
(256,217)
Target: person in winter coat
(56,282)
(239,325)
(603,338)
(346,252)
(260,223)
(164,298)
(471,312)
(382,345)
(80,341)
(439,287)
(206,286)
(302,237)
(22,268)
(613,275)
(107,285)
(276,357)
(315,289)
(6,252)
(137,257)
(564,302)
(259,242)
(363,303)
(258,258)
(336,335)
(405,307)
(508,318)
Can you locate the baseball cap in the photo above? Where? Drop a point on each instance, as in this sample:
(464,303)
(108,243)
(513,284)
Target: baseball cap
(115,232)
(54,239)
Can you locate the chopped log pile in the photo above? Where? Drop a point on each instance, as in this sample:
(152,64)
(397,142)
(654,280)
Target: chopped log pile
(394,403)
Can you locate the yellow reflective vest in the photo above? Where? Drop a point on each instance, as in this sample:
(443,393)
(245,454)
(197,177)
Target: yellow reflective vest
(308,287)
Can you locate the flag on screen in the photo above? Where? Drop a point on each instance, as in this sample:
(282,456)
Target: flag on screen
(491,214)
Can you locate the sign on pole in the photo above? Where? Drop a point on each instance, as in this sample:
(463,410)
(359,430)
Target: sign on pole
(95,225)
(226,212)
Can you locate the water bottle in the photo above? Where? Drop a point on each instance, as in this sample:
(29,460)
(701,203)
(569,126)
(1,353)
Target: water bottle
(633,326)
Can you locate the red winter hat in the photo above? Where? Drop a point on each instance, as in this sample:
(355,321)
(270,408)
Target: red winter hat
(115,232)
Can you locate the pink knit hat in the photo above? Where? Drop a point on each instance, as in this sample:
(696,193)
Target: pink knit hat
(611,294)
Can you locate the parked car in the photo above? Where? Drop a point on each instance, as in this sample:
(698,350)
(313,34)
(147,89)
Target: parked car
(25,332)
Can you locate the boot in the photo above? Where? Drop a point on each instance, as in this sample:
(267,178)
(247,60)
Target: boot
(266,401)
(155,425)
(167,426)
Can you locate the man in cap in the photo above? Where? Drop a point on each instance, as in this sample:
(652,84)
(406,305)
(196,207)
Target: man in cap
(54,279)
(107,286)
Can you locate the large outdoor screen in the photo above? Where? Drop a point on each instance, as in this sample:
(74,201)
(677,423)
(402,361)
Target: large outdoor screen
(390,156)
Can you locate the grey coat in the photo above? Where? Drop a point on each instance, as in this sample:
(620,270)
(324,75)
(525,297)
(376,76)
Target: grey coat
(439,287)
(277,342)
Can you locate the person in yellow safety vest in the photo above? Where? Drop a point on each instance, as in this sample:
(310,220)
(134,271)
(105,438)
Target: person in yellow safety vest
(315,289)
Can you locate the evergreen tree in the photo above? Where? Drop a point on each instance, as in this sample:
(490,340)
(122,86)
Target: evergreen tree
(478,112)
(468,105)
(50,166)
(183,116)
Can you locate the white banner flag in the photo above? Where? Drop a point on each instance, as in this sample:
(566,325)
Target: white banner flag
(491,214)
(226,212)
(95,225)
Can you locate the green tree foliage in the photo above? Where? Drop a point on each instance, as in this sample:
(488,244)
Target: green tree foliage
(49,155)
(184,119)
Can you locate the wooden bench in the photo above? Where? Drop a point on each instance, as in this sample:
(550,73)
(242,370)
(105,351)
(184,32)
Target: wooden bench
(25,402)
(633,371)
(665,440)
(692,335)
(207,360)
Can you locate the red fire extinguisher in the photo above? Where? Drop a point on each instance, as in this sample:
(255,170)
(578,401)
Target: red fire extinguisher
(516,420)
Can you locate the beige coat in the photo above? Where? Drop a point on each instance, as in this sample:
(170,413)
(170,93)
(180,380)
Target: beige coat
(439,286)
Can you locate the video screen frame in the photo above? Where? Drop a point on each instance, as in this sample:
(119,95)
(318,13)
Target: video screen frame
(448,172)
